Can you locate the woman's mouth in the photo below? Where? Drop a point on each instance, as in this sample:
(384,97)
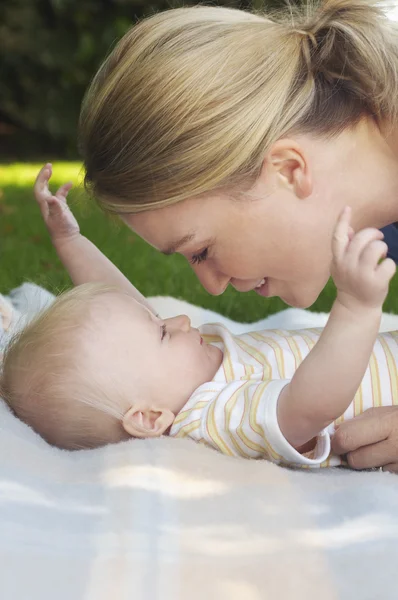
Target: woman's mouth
(262,288)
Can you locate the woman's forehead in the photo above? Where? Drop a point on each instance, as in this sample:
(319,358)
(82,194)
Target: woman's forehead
(161,231)
(204,208)
(171,227)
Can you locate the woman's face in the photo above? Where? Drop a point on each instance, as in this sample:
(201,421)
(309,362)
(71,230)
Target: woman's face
(279,232)
(275,236)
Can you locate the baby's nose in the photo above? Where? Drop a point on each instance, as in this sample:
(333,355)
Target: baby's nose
(184,323)
(181,323)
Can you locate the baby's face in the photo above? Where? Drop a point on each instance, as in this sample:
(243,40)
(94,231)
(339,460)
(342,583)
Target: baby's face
(161,362)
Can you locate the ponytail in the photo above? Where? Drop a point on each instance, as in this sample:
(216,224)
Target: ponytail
(351,52)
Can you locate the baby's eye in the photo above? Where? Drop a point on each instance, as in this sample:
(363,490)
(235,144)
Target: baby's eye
(163,332)
(200,257)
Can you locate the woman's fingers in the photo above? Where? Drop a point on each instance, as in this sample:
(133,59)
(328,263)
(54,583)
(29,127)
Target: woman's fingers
(375,455)
(373,426)
(370,440)
(391,467)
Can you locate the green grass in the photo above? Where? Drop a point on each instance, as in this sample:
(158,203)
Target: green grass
(27,254)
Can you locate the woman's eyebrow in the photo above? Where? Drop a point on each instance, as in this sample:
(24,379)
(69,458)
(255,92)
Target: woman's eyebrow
(174,246)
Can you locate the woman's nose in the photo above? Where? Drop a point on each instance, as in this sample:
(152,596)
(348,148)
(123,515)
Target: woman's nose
(180,323)
(213,281)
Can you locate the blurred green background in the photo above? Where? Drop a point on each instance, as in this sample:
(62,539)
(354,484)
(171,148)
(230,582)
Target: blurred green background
(49,51)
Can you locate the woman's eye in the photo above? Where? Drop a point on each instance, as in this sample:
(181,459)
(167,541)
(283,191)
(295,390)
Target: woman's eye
(163,333)
(198,258)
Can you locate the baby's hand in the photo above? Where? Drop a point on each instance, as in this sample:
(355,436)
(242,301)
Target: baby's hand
(361,279)
(55,211)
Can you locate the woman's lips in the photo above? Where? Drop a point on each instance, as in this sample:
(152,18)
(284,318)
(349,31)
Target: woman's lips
(263,290)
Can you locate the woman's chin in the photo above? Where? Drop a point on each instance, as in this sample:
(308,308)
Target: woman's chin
(299,301)
(299,298)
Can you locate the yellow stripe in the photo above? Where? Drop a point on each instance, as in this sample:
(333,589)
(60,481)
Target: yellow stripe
(249,370)
(212,338)
(246,419)
(253,415)
(295,348)
(392,369)
(228,366)
(279,357)
(258,356)
(228,408)
(213,432)
(254,408)
(375,376)
(308,340)
(358,401)
(198,406)
(316,330)
(188,429)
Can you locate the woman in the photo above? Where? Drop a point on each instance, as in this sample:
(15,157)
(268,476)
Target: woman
(237,139)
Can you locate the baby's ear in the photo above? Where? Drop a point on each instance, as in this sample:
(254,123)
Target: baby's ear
(146,423)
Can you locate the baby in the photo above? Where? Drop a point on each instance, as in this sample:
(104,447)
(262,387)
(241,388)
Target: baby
(99,366)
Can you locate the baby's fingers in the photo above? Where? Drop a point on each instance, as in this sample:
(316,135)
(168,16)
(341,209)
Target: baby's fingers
(372,254)
(63,191)
(386,269)
(342,234)
(54,206)
(360,241)
(40,188)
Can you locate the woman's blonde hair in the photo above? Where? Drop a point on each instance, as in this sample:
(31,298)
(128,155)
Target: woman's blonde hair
(191,99)
(43,378)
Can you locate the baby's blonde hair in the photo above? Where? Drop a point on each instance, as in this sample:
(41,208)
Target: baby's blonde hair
(191,99)
(43,378)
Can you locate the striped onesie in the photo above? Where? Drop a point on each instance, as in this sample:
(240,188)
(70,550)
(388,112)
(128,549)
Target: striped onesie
(236,412)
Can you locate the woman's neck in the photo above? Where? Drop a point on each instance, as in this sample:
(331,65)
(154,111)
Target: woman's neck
(373,174)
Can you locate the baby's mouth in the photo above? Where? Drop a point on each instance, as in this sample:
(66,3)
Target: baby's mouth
(200,337)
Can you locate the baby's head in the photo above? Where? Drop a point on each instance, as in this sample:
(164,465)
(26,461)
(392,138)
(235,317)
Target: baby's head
(98,367)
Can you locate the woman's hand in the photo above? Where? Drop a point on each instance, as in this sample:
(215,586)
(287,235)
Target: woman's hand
(370,440)
(59,219)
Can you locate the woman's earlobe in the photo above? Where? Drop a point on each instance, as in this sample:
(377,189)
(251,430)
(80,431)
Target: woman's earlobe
(147,422)
(302,183)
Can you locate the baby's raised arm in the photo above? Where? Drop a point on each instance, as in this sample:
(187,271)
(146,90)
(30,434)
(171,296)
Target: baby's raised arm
(327,380)
(82,259)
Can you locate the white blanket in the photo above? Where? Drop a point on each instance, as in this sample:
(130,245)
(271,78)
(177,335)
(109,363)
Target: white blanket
(169,520)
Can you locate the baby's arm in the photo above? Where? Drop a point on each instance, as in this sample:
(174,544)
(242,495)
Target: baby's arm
(327,380)
(82,259)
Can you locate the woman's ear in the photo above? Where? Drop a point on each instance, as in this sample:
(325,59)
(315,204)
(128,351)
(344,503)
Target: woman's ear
(147,422)
(288,162)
